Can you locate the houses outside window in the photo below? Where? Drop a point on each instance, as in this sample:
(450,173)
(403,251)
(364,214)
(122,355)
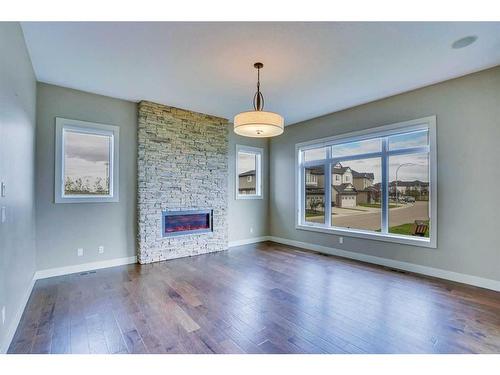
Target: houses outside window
(86,167)
(248,172)
(378,184)
(311,179)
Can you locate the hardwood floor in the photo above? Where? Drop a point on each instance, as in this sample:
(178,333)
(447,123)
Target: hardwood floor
(262,298)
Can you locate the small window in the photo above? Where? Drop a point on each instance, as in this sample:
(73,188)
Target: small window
(248,172)
(86,162)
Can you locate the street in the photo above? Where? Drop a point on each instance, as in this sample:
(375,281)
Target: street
(370,219)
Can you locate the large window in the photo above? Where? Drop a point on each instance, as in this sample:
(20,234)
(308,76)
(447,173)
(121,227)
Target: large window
(248,172)
(86,162)
(379,183)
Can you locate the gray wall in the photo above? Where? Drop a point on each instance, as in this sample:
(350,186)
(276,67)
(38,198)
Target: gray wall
(62,228)
(17,148)
(468,133)
(247,214)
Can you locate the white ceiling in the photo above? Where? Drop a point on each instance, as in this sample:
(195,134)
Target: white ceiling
(310,69)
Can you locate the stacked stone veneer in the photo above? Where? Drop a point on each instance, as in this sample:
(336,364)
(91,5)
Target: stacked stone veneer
(182,165)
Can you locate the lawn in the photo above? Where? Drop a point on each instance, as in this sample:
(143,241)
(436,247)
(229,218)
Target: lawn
(375,205)
(405,229)
(310,213)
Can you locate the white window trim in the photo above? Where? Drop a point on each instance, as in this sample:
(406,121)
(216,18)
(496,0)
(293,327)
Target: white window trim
(259,152)
(391,129)
(92,128)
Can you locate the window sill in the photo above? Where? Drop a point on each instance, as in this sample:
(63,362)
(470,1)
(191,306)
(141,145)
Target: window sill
(416,241)
(87,199)
(244,197)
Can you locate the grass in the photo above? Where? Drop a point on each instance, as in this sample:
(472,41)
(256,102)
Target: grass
(311,213)
(375,205)
(405,229)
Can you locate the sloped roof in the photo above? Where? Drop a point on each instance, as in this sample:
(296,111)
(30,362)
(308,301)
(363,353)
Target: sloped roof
(370,189)
(340,170)
(369,176)
(410,183)
(247,173)
(319,191)
(346,188)
(315,170)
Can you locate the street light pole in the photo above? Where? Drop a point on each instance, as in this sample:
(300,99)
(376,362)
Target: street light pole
(397,170)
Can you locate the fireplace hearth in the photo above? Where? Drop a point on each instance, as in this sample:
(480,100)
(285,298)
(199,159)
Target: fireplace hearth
(179,223)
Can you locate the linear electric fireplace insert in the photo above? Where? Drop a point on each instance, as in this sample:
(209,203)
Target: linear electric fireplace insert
(178,223)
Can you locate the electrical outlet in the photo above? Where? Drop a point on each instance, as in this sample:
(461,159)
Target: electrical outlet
(341,239)
(80,251)
(101,249)
(2,189)
(251,229)
(3,315)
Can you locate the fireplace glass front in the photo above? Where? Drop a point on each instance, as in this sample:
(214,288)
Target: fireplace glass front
(177,223)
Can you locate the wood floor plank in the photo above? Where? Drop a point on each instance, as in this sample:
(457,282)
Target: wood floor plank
(260,298)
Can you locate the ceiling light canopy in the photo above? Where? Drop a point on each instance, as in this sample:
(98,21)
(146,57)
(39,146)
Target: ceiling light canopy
(258,123)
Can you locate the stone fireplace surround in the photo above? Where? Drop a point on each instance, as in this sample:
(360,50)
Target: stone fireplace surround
(181,165)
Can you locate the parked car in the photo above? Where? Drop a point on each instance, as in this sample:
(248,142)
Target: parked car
(410,199)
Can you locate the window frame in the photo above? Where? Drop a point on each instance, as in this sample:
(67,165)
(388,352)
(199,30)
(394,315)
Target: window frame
(259,153)
(428,123)
(63,124)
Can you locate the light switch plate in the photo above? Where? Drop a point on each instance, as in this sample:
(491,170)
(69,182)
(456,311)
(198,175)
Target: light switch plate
(3,214)
(2,189)
(80,251)
(3,315)
(101,249)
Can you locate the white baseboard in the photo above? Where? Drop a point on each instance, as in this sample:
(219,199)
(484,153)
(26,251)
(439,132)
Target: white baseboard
(247,241)
(410,267)
(11,330)
(59,271)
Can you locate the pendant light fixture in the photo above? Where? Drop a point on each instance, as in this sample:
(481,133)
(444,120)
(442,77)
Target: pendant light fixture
(258,123)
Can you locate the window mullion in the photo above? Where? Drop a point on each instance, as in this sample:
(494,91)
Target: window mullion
(385,187)
(328,188)
(302,195)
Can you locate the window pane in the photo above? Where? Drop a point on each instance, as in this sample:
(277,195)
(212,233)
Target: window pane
(409,194)
(86,163)
(315,194)
(407,140)
(356,194)
(247,163)
(354,148)
(315,154)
